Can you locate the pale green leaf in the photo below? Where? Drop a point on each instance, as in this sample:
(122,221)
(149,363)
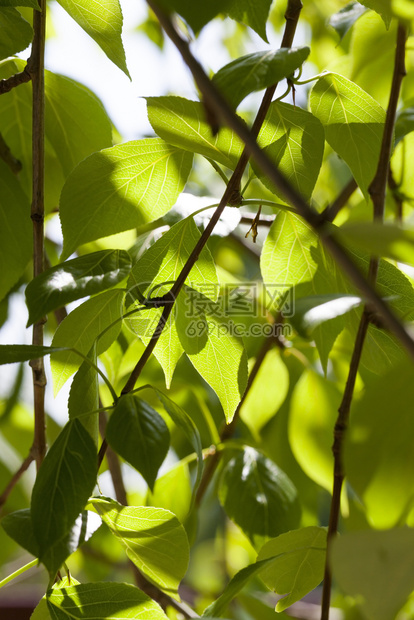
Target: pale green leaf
(84,396)
(380,239)
(382,7)
(294,139)
(16,32)
(81,328)
(403,8)
(106,601)
(74,279)
(182,122)
(63,484)
(172,491)
(154,540)
(257,71)
(154,274)
(378,449)
(253,13)
(214,349)
(377,568)
(268,391)
(300,564)
(346,17)
(353,123)
(139,434)
(41,611)
(15,230)
(121,188)
(103,22)
(258,496)
(312,418)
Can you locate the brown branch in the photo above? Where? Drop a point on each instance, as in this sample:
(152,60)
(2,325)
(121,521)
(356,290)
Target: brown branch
(11,82)
(312,217)
(264,221)
(332,210)
(377,192)
(15,478)
(37,215)
(229,429)
(398,199)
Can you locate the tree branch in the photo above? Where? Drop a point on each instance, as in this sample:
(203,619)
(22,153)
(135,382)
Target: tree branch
(37,215)
(377,192)
(11,82)
(332,210)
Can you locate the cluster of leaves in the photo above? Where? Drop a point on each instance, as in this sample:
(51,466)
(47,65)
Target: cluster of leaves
(275,475)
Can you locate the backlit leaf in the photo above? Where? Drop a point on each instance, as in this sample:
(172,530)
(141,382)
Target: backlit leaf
(353,123)
(379,239)
(139,434)
(63,484)
(310,312)
(84,396)
(253,13)
(182,122)
(154,540)
(81,328)
(196,15)
(74,279)
(257,71)
(103,22)
(258,496)
(121,188)
(16,32)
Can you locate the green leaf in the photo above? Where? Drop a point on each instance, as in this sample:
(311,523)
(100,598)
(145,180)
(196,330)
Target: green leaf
(404,123)
(294,139)
(84,396)
(18,525)
(310,312)
(121,188)
(153,275)
(196,15)
(154,540)
(377,568)
(63,484)
(258,496)
(312,418)
(378,455)
(16,32)
(382,7)
(172,491)
(346,17)
(81,328)
(266,394)
(75,279)
(252,13)
(14,353)
(103,22)
(213,347)
(380,239)
(139,434)
(353,122)
(258,71)
(15,230)
(182,123)
(300,564)
(106,601)
(31,3)
(183,420)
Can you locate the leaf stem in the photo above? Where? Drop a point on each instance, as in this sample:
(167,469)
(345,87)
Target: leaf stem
(218,169)
(18,572)
(377,192)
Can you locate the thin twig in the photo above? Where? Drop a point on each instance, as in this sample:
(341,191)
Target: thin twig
(332,210)
(11,82)
(7,156)
(377,191)
(37,215)
(398,199)
(312,217)
(15,478)
(264,221)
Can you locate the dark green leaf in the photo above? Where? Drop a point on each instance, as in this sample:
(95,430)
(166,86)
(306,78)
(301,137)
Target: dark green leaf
(75,279)
(404,123)
(18,525)
(377,568)
(258,71)
(103,22)
(84,396)
(63,485)
(298,566)
(258,496)
(294,139)
(379,239)
(346,17)
(139,434)
(253,13)
(382,7)
(81,328)
(154,540)
(15,229)
(353,122)
(106,601)
(31,3)
(378,449)
(183,123)
(196,15)
(121,188)
(310,312)
(16,32)
(13,353)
